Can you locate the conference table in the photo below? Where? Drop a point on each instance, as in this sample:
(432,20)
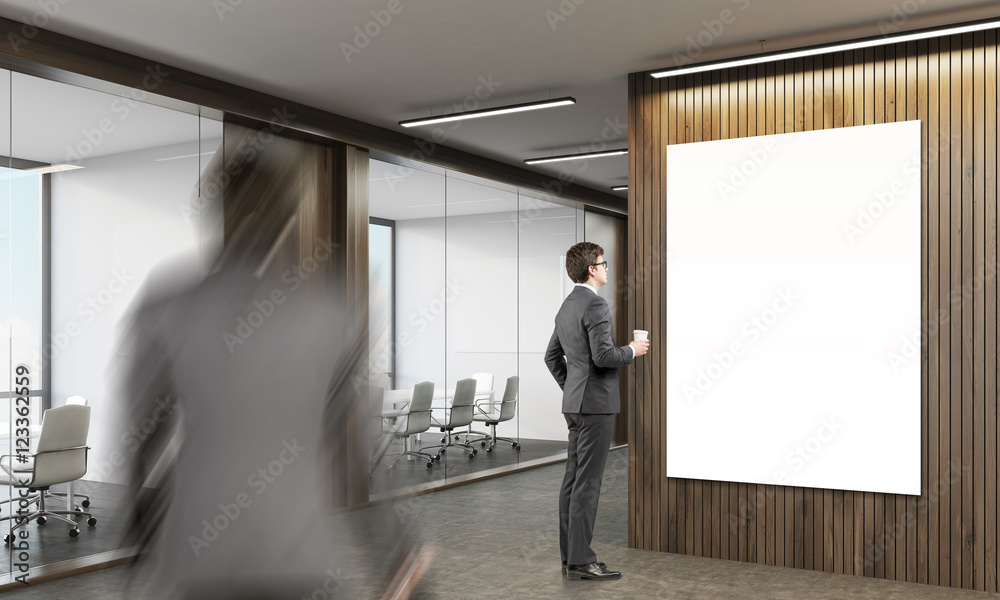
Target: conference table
(395,402)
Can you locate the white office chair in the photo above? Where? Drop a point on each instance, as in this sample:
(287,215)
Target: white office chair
(85,503)
(61,457)
(459,414)
(484,385)
(415,419)
(495,413)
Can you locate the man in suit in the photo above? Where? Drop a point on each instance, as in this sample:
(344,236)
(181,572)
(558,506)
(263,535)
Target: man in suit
(584,361)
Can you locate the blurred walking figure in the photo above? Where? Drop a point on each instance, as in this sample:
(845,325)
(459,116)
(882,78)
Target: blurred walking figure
(232,494)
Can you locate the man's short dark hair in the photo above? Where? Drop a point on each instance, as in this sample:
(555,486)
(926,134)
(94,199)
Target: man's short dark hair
(579,258)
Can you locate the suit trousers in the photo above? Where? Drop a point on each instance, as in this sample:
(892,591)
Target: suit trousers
(589,443)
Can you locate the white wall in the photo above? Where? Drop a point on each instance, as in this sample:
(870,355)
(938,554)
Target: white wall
(112,222)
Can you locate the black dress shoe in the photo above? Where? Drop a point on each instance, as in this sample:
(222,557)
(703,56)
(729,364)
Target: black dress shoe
(564,566)
(591,571)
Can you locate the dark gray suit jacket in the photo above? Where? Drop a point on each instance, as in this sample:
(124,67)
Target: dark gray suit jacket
(585,336)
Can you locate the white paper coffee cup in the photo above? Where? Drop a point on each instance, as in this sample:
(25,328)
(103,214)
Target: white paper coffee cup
(639,334)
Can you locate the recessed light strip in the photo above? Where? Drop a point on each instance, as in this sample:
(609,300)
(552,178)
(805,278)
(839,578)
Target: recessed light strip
(602,154)
(489,112)
(828,48)
(619,188)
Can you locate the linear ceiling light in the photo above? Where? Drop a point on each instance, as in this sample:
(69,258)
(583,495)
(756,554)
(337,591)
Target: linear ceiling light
(602,154)
(868,42)
(619,188)
(489,112)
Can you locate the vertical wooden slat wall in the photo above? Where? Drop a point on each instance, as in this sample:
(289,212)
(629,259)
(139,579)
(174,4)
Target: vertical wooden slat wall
(948,535)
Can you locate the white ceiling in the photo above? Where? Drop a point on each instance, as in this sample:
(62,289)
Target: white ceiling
(432,54)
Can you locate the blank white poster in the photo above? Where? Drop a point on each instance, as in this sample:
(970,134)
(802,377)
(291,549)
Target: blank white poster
(793,309)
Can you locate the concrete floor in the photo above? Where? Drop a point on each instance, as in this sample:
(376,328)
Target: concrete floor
(498,539)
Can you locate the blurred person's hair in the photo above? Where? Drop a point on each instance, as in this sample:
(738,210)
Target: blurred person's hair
(256,186)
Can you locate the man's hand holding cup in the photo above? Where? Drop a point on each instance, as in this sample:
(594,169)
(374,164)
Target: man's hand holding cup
(640,341)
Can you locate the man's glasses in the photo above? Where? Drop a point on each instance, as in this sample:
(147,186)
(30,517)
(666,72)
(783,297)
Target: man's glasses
(601,264)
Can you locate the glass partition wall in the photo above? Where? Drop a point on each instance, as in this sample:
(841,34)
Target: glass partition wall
(102,194)
(97,192)
(476,272)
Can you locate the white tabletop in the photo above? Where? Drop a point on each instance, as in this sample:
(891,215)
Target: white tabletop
(394,402)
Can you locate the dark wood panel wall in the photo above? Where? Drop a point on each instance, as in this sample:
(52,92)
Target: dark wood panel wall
(948,535)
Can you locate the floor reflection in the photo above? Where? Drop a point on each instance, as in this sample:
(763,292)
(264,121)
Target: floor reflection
(50,543)
(454,463)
